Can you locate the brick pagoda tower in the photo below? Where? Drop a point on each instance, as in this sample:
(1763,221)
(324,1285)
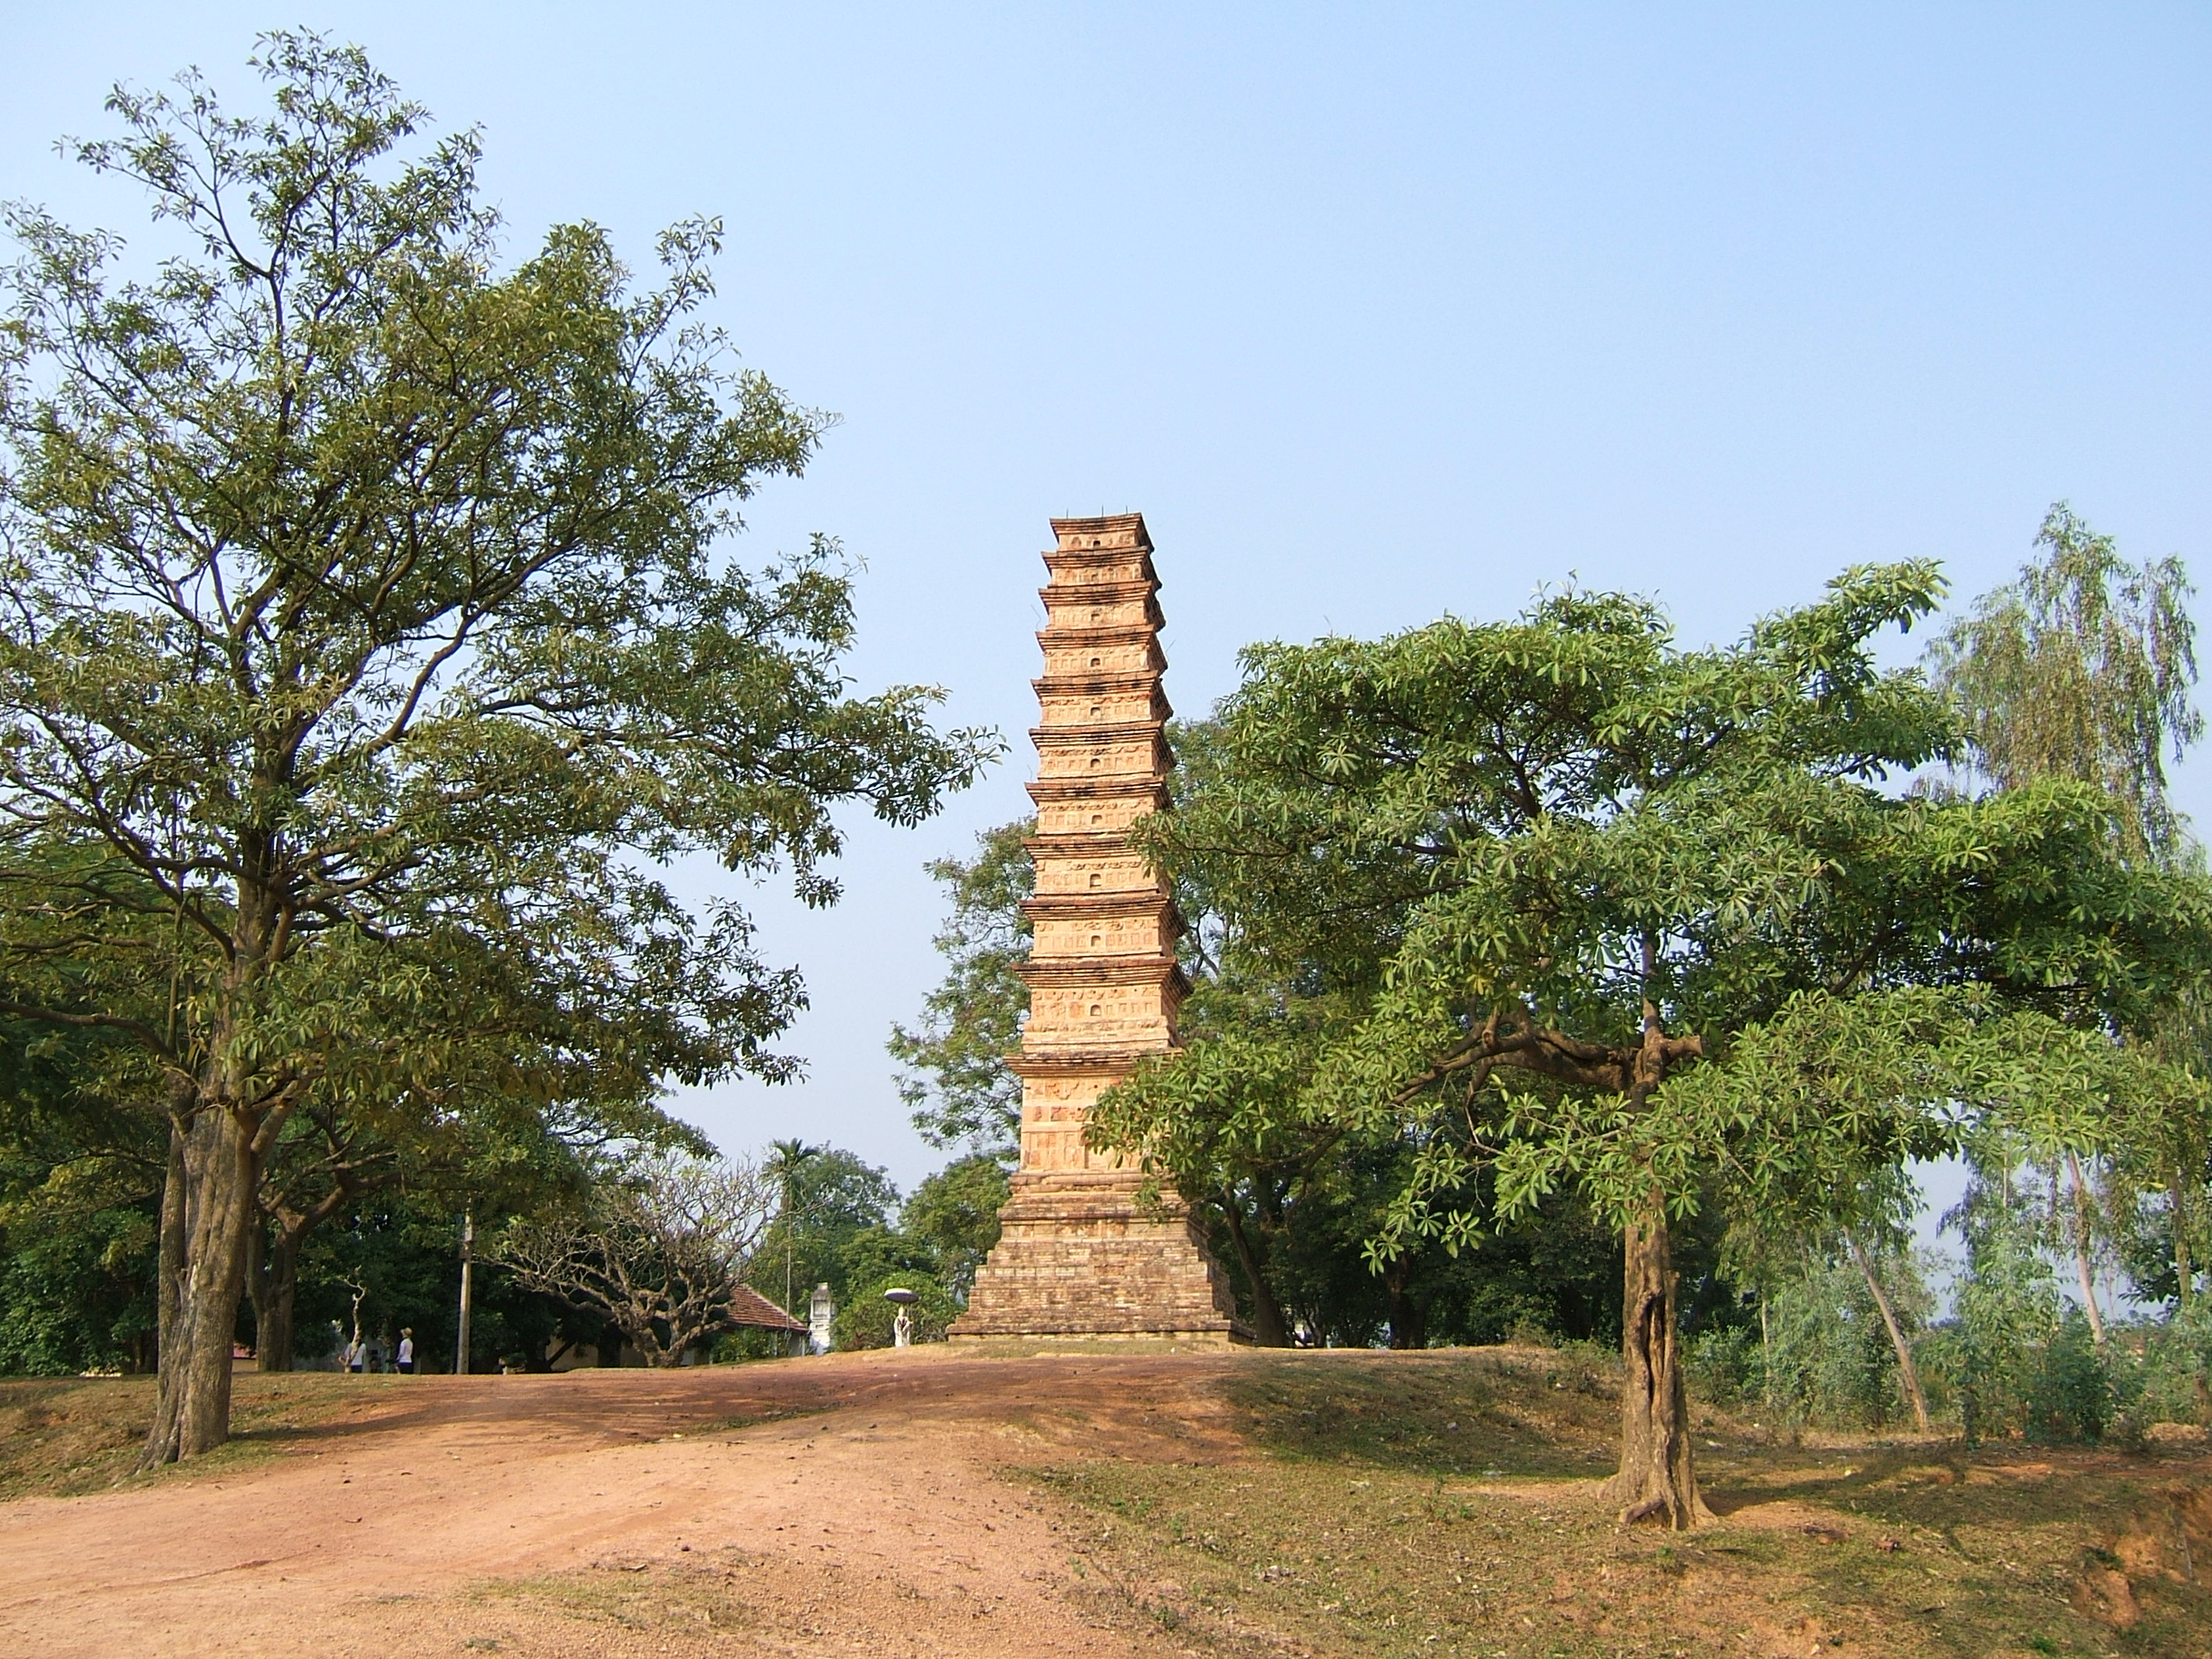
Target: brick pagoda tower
(1076,1254)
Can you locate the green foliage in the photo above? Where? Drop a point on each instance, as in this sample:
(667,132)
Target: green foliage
(953,1216)
(1303,1198)
(1560,902)
(2072,1395)
(954,1077)
(829,1198)
(2082,669)
(1722,1365)
(844,1227)
(406,1256)
(441,597)
(874,1254)
(76,1290)
(863,1317)
(1826,1358)
(80,1179)
(2007,1307)
(2157,1214)
(373,637)
(2175,1379)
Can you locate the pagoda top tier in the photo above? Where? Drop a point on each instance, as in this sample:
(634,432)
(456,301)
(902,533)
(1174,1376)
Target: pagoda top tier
(1114,549)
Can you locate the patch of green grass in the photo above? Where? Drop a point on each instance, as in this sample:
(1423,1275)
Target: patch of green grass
(752,1420)
(1439,1414)
(695,1600)
(64,1437)
(1364,1522)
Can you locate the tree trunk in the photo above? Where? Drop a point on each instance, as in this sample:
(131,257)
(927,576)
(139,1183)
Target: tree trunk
(643,1333)
(2184,1268)
(1765,1354)
(1656,1482)
(276,1296)
(169,1261)
(1409,1319)
(2184,1271)
(2081,1266)
(1907,1373)
(257,1271)
(192,1407)
(1269,1328)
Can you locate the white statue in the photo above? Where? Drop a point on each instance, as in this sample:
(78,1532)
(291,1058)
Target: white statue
(903,1324)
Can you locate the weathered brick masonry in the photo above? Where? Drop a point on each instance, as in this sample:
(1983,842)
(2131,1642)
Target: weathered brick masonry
(1077,1254)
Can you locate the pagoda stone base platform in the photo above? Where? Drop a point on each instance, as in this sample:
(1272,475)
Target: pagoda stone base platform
(1079,1256)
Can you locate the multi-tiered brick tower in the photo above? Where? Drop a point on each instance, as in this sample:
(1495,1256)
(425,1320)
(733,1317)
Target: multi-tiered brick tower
(1078,1256)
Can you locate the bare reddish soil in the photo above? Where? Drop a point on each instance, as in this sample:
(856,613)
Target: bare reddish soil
(839,1505)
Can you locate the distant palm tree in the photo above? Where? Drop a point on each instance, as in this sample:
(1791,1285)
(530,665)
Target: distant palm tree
(787,1162)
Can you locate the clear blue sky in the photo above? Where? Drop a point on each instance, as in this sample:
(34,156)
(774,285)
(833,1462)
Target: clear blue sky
(1374,312)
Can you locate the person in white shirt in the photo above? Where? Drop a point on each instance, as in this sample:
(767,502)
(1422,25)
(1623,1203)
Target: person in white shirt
(407,1350)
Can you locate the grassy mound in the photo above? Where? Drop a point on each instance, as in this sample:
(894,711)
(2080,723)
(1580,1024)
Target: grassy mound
(1447,1502)
(63,1436)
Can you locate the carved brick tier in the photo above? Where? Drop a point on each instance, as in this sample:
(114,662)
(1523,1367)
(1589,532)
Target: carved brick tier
(1077,1254)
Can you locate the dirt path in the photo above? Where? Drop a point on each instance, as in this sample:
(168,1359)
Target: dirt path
(626,1512)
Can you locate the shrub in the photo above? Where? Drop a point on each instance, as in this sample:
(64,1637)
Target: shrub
(2070,1396)
(1723,1365)
(2007,1318)
(865,1319)
(1827,1357)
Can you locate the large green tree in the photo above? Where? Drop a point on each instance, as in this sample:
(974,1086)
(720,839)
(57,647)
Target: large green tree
(369,607)
(439,1152)
(827,1198)
(1639,921)
(2084,666)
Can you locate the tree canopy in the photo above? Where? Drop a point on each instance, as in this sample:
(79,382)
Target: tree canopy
(371,632)
(953,1074)
(1608,914)
(2082,667)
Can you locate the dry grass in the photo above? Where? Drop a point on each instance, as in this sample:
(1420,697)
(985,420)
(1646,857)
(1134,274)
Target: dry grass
(694,1599)
(63,1436)
(1447,1503)
(1394,1505)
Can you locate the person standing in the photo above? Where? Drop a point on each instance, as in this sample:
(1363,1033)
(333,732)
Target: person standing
(407,1350)
(356,1356)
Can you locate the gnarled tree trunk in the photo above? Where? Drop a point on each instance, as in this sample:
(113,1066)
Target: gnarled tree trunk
(218,1175)
(1655,1481)
(276,1276)
(169,1260)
